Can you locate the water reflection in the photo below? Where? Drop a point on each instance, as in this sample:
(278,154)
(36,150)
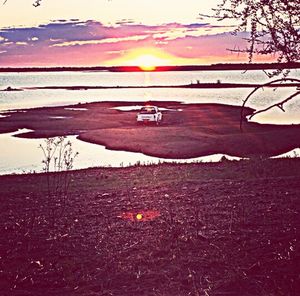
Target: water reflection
(295,153)
(20,155)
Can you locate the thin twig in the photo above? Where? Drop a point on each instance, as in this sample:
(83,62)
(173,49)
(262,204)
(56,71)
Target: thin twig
(261,86)
(279,105)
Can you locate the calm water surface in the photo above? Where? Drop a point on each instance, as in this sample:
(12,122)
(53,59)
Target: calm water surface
(12,160)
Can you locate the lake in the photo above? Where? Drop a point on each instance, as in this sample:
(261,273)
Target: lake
(19,155)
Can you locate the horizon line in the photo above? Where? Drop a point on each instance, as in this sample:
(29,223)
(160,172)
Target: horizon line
(165,68)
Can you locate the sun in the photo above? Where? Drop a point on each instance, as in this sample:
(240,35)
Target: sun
(147,62)
(147,59)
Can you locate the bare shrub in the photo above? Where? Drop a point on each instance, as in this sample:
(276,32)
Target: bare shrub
(57,162)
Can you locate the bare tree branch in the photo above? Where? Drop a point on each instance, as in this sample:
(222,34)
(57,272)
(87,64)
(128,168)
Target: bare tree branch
(37,3)
(280,104)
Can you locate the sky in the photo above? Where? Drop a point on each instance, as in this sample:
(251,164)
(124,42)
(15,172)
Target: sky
(114,32)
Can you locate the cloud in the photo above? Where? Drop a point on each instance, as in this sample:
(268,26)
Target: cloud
(125,22)
(107,40)
(74,42)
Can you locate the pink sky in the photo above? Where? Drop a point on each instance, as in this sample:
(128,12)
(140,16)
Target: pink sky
(77,42)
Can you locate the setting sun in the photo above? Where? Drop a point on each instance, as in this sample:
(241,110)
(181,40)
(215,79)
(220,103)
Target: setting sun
(149,59)
(146,58)
(147,62)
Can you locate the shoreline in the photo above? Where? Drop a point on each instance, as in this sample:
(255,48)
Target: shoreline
(218,85)
(211,67)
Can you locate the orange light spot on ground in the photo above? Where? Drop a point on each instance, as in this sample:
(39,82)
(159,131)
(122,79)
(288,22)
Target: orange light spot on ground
(140,216)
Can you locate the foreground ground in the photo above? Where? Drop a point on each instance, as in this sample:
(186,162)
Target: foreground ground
(229,228)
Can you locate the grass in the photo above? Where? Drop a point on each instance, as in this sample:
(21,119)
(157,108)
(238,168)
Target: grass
(222,229)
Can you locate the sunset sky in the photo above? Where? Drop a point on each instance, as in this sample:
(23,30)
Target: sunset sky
(114,32)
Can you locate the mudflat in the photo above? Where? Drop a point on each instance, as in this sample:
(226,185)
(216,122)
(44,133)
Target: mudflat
(187,130)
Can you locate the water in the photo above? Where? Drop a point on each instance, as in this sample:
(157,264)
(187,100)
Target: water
(125,79)
(48,97)
(12,160)
(24,155)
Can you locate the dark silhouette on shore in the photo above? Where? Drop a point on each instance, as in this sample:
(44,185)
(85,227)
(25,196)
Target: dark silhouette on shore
(198,84)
